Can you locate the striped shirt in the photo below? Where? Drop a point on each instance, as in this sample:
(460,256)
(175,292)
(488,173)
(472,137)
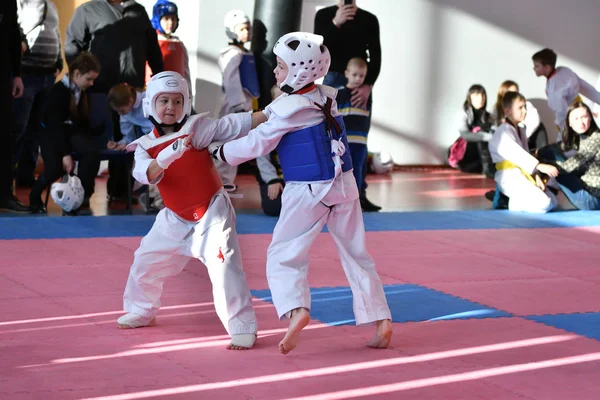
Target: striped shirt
(356,119)
(38,20)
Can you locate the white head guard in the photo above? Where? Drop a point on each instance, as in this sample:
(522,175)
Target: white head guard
(306,58)
(382,163)
(166,82)
(68,193)
(233,18)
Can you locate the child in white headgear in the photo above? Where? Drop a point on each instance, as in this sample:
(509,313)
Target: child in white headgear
(240,81)
(198,220)
(306,129)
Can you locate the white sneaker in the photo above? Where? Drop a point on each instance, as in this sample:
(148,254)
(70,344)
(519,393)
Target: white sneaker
(131,320)
(230,187)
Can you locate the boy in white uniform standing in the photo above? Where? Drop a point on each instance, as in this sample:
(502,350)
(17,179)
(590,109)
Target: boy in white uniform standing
(198,220)
(563,86)
(517,171)
(240,81)
(308,132)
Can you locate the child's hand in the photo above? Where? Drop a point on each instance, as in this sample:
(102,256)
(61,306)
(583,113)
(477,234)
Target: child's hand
(169,154)
(120,147)
(547,169)
(111,145)
(540,183)
(274,189)
(68,164)
(476,129)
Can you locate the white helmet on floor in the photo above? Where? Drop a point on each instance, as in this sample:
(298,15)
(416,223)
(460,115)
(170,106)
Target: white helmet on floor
(382,163)
(68,193)
(306,58)
(166,82)
(233,18)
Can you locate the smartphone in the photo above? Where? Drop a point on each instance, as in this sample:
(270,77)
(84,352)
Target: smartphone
(349,2)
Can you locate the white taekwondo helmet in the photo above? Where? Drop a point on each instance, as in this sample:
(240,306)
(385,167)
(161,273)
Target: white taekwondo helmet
(233,18)
(382,163)
(306,57)
(166,82)
(68,193)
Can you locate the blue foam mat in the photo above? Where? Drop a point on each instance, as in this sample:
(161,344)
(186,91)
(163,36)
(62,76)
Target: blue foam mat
(407,302)
(584,324)
(43,227)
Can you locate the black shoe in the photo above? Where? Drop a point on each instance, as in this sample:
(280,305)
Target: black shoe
(502,201)
(38,208)
(490,195)
(367,206)
(12,204)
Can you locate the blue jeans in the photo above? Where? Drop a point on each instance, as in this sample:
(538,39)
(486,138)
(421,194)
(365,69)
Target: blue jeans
(28,114)
(570,184)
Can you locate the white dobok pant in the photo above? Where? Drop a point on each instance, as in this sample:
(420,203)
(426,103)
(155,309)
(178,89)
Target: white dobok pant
(523,194)
(299,224)
(166,250)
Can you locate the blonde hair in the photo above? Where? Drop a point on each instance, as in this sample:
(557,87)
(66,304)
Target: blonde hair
(357,62)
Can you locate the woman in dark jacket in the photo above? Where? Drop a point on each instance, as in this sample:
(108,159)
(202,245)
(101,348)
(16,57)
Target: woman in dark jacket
(66,131)
(470,152)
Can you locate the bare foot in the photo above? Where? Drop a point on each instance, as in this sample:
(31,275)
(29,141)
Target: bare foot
(383,335)
(300,318)
(242,341)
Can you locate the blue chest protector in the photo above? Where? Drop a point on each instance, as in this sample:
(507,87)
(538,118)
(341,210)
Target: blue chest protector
(305,155)
(248,75)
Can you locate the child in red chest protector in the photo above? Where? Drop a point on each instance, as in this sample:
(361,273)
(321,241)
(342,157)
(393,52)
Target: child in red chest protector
(198,220)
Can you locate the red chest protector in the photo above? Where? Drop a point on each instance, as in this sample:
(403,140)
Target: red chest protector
(189,183)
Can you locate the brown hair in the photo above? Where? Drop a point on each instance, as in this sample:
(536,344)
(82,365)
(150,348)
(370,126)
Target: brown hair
(85,62)
(510,97)
(545,57)
(502,90)
(357,62)
(120,95)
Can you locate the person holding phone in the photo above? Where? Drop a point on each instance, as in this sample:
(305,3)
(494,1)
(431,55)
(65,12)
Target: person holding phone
(350,32)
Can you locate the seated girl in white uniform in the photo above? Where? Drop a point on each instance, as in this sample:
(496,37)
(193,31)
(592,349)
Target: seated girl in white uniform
(308,132)
(198,220)
(519,175)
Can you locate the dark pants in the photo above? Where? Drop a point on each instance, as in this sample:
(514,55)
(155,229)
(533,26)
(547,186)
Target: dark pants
(337,80)
(87,149)
(539,138)
(28,113)
(570,184)
(270,207)
(358,152)
(6,134)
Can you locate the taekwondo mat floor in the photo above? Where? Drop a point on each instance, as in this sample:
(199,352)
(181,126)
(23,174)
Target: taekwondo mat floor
(485,305)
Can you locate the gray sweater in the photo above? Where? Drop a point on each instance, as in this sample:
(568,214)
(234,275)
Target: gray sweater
(38,20)
(586,163)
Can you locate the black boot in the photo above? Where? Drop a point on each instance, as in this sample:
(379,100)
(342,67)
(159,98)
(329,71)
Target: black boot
(367,206)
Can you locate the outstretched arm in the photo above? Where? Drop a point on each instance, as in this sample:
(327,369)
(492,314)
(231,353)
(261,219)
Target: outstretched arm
(204,130)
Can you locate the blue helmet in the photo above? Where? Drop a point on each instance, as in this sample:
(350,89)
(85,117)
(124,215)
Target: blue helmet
(163,8)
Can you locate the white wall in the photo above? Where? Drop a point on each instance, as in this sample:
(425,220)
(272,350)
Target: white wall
(432,50)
